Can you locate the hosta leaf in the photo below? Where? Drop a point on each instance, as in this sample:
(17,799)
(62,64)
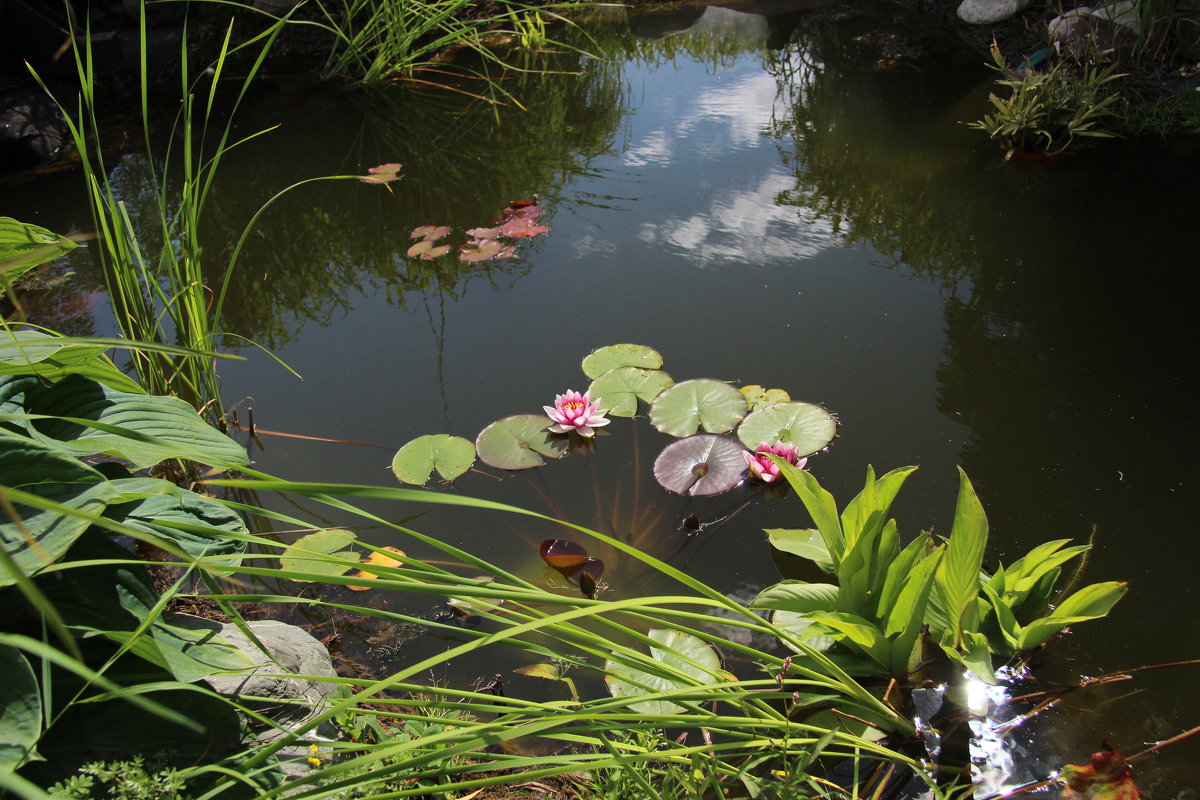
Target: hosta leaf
(320,553)
(28,352)
(686,407)
(24,246)
(144,429)
(701,465)
(20,710)
(619,390)
(608,358)
(451,456)
(165,510)
(676,651)
(519,442)
(806,426)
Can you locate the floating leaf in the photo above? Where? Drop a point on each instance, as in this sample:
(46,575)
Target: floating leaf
(519,442)
(384,173)
(450,455)
(1106,776)
(377,559)
(571,561)
(525,212)
(701,465)
(621,388)
(485,250)
(521,228)
(806,426)
(679,651)
(546,671)
(758,397)
(685,407)
(431,232)
(427,250)
(483,233)
(608,358)
(319,553)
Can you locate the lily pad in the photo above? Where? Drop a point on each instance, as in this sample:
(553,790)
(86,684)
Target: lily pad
(806,426)
(451,456)
(685,407)
(519,442)
(620,355)
(319,553)
(431,232)
(758,397)
(701,465)
(389,557)
(427,250)
(384,173)
(621,388)
(684,652)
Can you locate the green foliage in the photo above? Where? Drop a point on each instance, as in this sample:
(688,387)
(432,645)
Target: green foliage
(886,595)
(24,246)
(1047,112)
(134,779)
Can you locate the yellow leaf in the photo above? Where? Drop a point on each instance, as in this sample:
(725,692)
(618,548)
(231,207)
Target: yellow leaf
(376,559)
(1106,776)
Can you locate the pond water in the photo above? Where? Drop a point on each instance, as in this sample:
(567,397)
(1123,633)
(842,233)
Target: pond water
(788,200)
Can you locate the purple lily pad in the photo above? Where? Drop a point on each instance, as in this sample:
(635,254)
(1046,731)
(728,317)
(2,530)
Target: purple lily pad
(701,465)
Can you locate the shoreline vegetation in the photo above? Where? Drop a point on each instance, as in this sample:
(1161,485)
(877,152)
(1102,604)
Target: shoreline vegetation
(108,691)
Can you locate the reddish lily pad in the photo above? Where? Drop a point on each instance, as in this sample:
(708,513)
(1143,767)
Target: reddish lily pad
(701,465)
(1106,776)
(521,228)
(485,250)
(431,232)
(384,173)
(484,233)
(426,249)
(519,442)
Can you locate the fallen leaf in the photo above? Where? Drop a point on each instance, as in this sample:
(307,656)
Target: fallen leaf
(377,559)
(1106,776)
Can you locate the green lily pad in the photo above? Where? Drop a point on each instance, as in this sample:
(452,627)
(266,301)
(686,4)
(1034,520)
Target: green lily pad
(758,397)
(685,407)
(451,456)
(620,355)
(809,427)
(620,389)
(320,553)
(519,442)
(684,652)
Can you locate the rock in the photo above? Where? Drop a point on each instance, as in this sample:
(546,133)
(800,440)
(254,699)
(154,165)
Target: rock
(32,131)
(990,12)
(288,701)
(1082,31)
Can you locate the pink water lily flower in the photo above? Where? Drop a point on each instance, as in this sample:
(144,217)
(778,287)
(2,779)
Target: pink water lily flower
(761,465)
(577,412)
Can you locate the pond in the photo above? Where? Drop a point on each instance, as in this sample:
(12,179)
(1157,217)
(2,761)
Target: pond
(788,200)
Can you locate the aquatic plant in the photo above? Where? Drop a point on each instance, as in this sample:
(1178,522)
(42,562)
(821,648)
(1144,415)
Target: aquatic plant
(573,412)
(763,468)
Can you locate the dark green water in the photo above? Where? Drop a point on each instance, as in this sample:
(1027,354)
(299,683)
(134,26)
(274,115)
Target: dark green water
(792,217)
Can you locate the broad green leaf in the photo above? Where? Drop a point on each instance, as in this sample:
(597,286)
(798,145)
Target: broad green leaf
(858,632)
(24,246)
(821,507)
(20,710)
(608,358)
(757,397)
(898,572)
(44,535)
(975,655)
(799,597)
(806,543)
(686,407)
(876,496)
(28,352)
(907,614)
(88,418)
(677,652)
(959,578)
(451,456)
(165,510)
(619,390)
(321,553)
(519,442)
(804,629)
(1005,621)
(1090,602)
(806,426)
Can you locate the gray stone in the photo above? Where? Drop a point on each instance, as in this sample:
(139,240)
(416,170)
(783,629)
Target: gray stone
(274,688)
(990,12)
